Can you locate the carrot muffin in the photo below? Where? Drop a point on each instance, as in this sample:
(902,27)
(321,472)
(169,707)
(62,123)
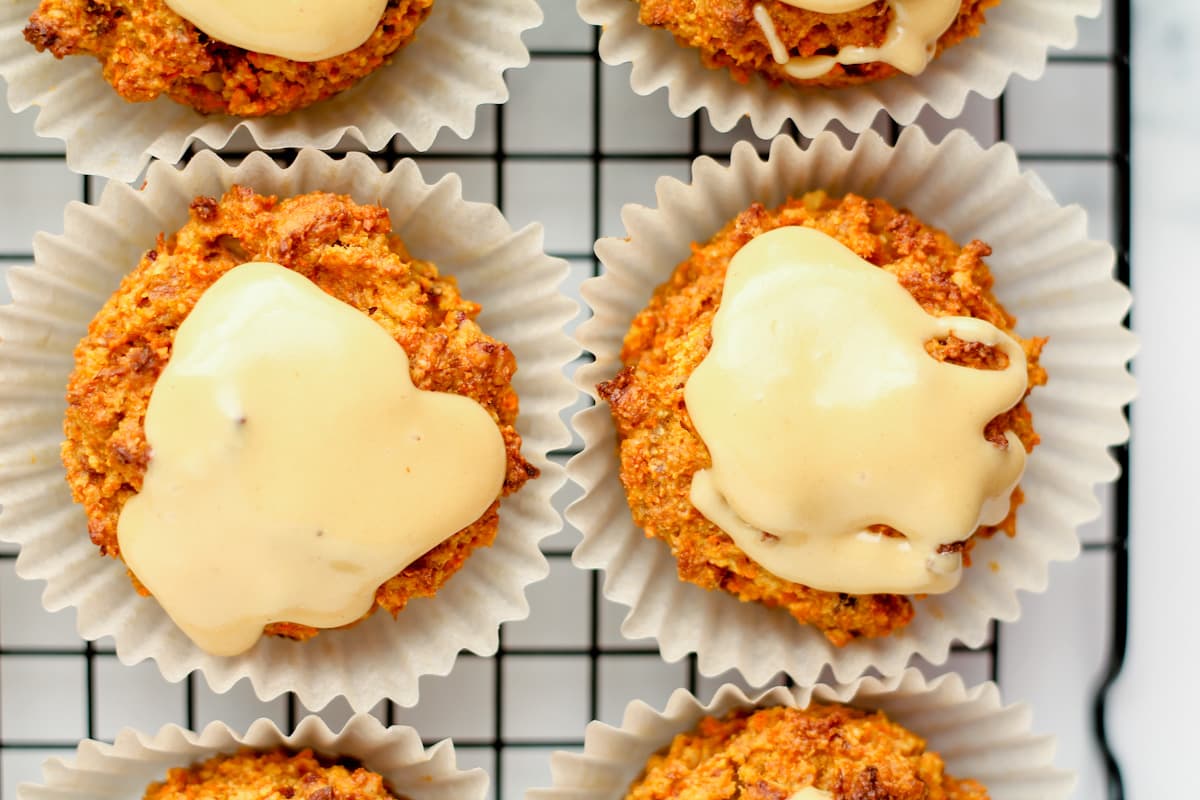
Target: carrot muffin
(795,41)
(661,451)
(272,775)
(823,752)
(347,251)
(147,50)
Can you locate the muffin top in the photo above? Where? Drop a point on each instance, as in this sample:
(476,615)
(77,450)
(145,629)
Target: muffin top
(823,752)
(271,775)
(346,250)
(661,450)
(787,42)
(147,50)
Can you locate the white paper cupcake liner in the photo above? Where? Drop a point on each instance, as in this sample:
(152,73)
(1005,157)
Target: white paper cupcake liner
(125,768)
(1058,284)
(1014,41)
(977,735)
(507,272)
(454,64)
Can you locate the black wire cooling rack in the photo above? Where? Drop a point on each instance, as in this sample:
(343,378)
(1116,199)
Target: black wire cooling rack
(497,164)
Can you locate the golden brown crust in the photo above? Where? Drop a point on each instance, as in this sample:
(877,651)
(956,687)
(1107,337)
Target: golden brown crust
(348,251)
(728,37)
(772,753)
(148,50)
(661,451)
(272,775)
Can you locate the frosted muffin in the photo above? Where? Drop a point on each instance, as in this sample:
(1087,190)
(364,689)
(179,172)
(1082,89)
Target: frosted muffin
(898,738)
(824,43)
(332,259)
(271,775)
(149,48)
(822,752)
(342,254)
(1032,245)
(664,453)
(165,76)
(811,62)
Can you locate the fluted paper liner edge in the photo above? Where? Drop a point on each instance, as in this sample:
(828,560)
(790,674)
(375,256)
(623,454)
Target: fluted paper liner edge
(1055,280)
(53,302)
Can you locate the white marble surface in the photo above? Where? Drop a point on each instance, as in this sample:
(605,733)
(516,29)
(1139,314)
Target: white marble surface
(1152,714)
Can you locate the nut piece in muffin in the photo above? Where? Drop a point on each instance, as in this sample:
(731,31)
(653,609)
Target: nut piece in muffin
(769,37)
(776,753)
(346,250)
(148,50)
(272,775)
(661,451)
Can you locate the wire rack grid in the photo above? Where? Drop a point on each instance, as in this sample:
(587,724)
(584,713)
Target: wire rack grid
(571,146)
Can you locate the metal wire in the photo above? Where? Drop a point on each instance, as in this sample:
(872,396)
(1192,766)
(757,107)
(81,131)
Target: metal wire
(595,649)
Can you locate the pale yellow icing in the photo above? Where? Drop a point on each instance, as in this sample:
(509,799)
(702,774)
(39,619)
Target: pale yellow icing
(779,50)
(294,466)
(910,43)
(811,793)
(829,6)
(300,30)
(825,415)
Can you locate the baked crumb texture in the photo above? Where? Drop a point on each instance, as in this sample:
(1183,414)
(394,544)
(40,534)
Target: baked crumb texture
(271,775)
(148,50)
(772,753)
(346,249)
(660,450)
(728,37)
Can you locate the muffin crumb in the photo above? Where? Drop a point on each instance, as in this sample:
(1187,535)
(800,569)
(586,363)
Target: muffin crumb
(148,50)
(728,36)
(254,775)
(772,753)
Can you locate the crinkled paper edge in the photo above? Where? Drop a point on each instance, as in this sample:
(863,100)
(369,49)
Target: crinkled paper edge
(978,736)
(454,64)
(126,767)
(1048,273)
(1015,40)
(506,271)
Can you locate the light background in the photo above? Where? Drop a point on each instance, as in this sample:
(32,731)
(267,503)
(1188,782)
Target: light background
(572,145)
